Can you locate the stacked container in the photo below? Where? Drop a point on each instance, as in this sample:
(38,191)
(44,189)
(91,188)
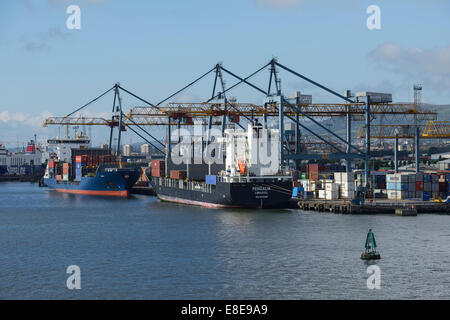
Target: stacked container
(178,174)
(51,168)
(312,171)
(346,183)
(78,167)
(331,191)
(158,168)
(65,175)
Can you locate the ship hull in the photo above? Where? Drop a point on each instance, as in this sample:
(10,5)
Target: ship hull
(264,194)
(114,182)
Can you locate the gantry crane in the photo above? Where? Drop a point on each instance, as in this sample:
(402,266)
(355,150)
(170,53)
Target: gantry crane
(218,110)
(430,130)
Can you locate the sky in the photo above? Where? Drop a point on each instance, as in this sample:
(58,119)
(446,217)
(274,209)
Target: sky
(153,48)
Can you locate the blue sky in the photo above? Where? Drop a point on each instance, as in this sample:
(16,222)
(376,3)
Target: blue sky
(155,47)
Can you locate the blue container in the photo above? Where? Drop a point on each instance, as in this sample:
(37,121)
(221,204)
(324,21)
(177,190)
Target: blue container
(210,179)
(403,186)
(391,185)
(426,196)
(427,178)
(295,192)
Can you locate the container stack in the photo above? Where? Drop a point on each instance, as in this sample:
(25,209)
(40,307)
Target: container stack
(379,181)
(79,167)
(65,175)
(51,168)
(158,168)
(405,185)
(309,185)
(331,191)
(346,183)
(178,174)
(444,186)
(312,171)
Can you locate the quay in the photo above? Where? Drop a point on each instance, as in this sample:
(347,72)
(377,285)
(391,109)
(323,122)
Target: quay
(380,206)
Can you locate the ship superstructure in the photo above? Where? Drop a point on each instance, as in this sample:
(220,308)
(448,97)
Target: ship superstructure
(250,176)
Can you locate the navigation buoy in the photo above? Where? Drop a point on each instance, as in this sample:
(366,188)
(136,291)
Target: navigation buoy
(371,248)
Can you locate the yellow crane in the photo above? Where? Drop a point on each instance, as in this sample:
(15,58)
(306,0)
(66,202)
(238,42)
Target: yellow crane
(430,130)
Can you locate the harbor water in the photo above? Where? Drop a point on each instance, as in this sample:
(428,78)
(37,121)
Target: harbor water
(140,248)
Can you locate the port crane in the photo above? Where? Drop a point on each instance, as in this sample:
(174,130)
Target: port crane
(430,130)
(219,110)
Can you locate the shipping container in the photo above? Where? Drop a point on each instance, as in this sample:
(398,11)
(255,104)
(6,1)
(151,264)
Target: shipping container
(211,179)
(158,164)
(178,174)
(419,185)
(158,173)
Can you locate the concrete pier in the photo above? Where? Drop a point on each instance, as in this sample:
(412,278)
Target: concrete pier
(404,208)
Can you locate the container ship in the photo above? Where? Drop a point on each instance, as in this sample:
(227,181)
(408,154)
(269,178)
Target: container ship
(91,171)
(241,182)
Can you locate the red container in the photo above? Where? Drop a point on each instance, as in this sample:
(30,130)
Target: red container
(443,186)
(419,185)
(178,174)
(313,176)
(51,164)
(313,167)
(78,159)
(158,164)
(158,173)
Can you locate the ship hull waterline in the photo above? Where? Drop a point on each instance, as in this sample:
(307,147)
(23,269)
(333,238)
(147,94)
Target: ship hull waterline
(105,183)
(252,195)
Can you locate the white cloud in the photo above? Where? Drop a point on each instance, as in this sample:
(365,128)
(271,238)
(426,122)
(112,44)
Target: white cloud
(20,117)
(429,66)
(280,4)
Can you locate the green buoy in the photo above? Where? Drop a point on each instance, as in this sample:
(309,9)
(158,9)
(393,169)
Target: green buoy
(371,248)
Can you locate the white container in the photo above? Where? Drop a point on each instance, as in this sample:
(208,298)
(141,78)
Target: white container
(331,187)
(331,195)
(348,194)
(397,195)
(396,177)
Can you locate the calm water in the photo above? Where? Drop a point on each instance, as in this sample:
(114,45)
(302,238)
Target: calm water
(140,248)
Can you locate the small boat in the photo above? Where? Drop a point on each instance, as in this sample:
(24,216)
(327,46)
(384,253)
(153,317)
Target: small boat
(371,248)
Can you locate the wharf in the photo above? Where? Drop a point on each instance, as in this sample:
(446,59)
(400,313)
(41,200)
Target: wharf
(379,206)
(21,178)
